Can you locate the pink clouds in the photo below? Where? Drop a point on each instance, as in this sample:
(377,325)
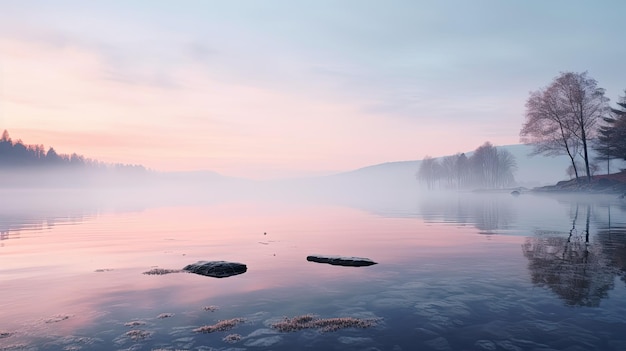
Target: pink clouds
(67,97)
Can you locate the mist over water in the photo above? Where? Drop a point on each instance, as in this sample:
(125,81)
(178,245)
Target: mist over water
(456,270)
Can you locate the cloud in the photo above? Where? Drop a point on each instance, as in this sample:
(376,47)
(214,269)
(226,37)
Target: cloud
(318,84)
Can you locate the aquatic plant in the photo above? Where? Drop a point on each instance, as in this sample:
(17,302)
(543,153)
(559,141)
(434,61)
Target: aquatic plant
(165,315)
(134,323)
(57,318)
(211,308)
(220,326)
(309,321)
(5,334)
(162,271)
(137,334)
(232,338)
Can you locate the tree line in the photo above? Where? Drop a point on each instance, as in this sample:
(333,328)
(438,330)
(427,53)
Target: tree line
(570,117)
(487,167)
(17,155)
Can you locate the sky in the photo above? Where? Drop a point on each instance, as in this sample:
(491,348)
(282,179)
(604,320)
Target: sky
(271,89)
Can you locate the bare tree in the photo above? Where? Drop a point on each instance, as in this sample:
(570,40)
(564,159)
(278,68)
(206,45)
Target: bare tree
(506,165)
(462,170)
(484,163)
(429,172)
(448,170)
(492,167)
(561,118)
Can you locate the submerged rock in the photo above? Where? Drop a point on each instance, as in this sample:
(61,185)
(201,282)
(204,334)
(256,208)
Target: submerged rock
(217,269)
(341,261)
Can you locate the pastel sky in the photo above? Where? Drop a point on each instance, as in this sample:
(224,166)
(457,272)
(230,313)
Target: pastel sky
(265,89)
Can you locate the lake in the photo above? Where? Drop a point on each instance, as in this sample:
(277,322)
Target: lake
(468,271)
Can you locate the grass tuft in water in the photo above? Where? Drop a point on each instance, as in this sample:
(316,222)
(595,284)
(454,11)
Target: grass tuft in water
(137,334)
(232,338)
(134,323)
(224,325)
(211,308)
(162,271)
(310,321)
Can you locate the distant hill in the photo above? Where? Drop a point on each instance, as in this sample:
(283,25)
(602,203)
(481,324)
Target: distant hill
(531,170)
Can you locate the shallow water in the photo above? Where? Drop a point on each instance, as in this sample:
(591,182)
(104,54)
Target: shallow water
(454,272)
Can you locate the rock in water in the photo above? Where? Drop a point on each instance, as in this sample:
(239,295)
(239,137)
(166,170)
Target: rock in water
(341,261)
(217,269)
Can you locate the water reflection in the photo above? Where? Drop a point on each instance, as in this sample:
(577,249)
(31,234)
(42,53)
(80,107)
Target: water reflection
(489,213)
(434,285)
(35,211)
(579,267)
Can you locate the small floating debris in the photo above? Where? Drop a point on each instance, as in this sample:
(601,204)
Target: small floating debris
(232,338)
(216,269)
(211,308)
(224,325)
(341,260)
(134,323)
(5,334)
(310,321)
(161,271)
(100,270)
(165,315)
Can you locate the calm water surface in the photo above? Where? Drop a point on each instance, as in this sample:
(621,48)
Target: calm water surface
(454,272)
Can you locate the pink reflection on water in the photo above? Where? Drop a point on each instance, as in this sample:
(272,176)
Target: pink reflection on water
(83,271)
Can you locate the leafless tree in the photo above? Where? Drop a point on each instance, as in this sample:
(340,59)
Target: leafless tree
(462,170)
(448,170)
(506,165)
(561,118)
(492,167)
(429,172)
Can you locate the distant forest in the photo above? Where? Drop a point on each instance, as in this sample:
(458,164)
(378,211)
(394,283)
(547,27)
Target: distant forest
(32,166)
(487,167)
(17,155)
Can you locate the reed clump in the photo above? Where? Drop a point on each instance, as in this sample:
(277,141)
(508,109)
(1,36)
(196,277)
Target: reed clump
(162,271)
(137,334)
(232,338)
(223,325)
(310,321)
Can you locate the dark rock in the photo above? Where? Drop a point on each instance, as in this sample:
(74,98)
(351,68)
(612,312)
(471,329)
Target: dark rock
(216,269)
(341,261)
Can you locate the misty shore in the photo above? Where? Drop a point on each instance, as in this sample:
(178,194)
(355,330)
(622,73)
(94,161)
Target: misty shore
(603,184)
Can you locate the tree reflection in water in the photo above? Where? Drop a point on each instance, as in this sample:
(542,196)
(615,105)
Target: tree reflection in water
(489,213)
(578,267)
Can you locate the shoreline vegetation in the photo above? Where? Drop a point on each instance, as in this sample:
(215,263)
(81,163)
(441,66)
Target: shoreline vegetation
(610,184)
(30,165)
(614,183)
(491,169)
